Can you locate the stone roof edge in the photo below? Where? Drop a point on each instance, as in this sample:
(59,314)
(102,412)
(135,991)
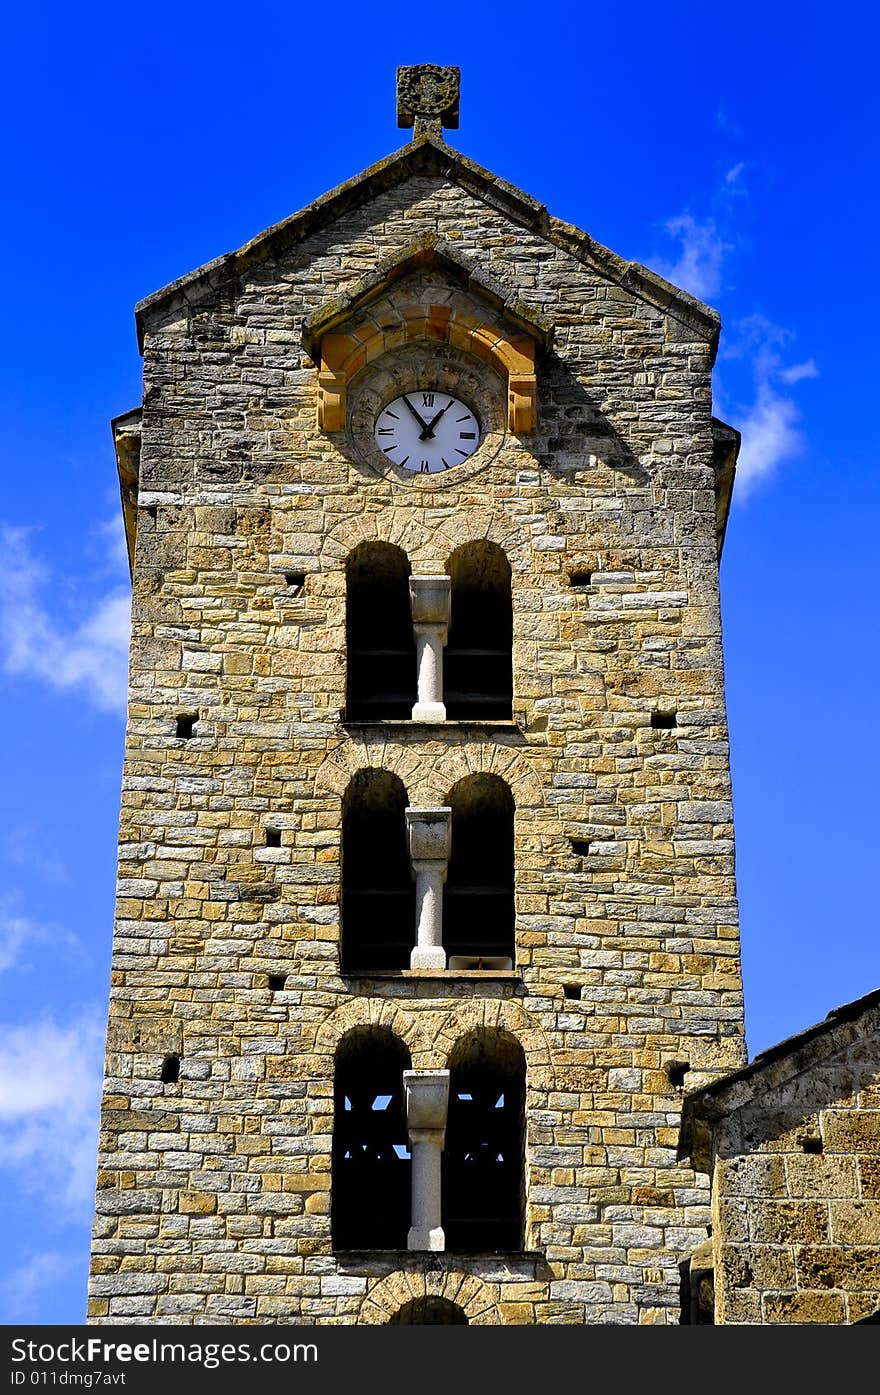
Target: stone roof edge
(790,1057)
(426,153)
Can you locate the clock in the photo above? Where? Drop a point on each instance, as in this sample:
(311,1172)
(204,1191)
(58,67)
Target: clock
(426,431)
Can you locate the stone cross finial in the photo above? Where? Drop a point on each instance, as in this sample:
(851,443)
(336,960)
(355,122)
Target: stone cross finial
(427,99)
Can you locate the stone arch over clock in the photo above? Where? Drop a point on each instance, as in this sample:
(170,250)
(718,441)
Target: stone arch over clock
(428,299)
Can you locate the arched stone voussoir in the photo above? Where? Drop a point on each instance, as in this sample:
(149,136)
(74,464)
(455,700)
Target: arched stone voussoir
(489,758)
(372,1012)
(477,1299)
(479,525)
(500,1015)
(340,766)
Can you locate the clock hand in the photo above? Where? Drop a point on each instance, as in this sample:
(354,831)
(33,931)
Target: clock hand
(429,429)
(422,423)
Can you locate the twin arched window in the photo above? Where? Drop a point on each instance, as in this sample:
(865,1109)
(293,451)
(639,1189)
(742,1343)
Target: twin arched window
(380,643)
(482,1186)
(378,893)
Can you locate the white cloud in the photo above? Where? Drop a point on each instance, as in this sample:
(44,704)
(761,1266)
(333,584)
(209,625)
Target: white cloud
(17,931)
(769,425)
(50,1084)
(24,845)
(698,267)
(734,174)
(770,436)
(22,1292)
(797,371)
(89,653)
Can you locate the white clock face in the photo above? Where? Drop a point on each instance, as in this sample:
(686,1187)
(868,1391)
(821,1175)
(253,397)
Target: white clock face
(426,431)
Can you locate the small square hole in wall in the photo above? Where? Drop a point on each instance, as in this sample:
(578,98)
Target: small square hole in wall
(273,837)
(296,582)
(186,724)
(580,578)
(663,721)
(276,982)
(170,1072)
(676,1071)
(811,1144)
(572,990)
(580,847)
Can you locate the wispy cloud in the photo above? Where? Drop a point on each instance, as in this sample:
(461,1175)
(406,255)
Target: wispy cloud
(19,933)
(23,1291)
(23,845)
(698,266)
(770,425)
(87,652)
(50,1081)
(734,175)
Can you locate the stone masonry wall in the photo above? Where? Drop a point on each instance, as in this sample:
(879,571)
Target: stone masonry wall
(213,1192)
(796,1197)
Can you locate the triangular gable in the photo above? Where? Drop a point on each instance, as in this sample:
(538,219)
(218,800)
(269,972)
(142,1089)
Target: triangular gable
(426,155)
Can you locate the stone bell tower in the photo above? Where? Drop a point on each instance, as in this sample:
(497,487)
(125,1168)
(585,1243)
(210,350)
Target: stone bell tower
(426,909)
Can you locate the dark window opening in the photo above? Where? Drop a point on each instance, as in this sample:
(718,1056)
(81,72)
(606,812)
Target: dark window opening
(185,727)
(580,578)
(296,581)
(811,1145)
(676,1071)
(370,1208)
(663,721)
(478,899)
(273,837)
(433,1311)
(170,1072)
(380,645)
(483,1182)
(580,847)
(378,892)
(572,990)
(478,664)
(276,982)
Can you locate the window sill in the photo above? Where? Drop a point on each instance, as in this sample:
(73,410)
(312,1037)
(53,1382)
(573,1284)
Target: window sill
(520,1263)
(439,975)
(396,724)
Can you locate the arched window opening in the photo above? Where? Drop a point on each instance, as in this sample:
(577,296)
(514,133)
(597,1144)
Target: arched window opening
(483,1182)
(380,645)
(431,1311)
(370,1208)
(478,674)
(478,902)
(378,894)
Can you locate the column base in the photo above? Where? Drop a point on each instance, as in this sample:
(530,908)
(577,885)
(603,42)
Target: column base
(428,957)
(426,1238)
(429,712)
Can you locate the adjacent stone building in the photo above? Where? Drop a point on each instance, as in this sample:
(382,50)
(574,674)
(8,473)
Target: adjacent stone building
(426,909)
(792,1144)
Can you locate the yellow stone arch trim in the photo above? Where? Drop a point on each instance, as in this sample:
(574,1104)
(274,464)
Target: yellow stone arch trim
(477,1299)
(345,354)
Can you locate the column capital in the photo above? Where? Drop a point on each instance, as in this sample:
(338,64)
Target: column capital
(430,599)
(427,1101)
(429,837)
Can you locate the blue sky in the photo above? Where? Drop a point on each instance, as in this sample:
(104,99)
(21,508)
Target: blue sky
(731,148)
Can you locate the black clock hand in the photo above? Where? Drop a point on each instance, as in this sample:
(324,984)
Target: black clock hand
(429,429)
(422,423)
